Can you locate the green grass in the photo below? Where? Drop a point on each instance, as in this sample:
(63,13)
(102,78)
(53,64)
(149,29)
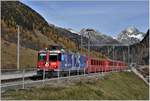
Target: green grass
(123,86)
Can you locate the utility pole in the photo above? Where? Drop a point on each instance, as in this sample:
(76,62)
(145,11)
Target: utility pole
(113,57)
(18,49)
(81,42)
(123,56)
(108,52)
(88,47)
(88,32)
(128,54)
(54,29)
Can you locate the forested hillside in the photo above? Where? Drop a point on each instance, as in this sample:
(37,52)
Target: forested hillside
(35,31)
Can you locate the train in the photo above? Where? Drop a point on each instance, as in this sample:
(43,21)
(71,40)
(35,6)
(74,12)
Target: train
(53,60)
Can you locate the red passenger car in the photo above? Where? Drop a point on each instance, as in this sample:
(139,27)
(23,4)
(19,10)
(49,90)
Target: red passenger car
(104,65)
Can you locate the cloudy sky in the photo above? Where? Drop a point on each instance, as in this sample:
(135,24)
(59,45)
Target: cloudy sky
(108,17)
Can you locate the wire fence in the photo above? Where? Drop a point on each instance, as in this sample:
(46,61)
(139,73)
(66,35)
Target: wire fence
(23,80)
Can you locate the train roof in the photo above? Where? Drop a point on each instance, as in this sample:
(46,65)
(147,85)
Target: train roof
(42,51)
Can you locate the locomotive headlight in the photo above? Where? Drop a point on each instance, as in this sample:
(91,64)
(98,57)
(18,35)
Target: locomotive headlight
(55,67)
(46,64)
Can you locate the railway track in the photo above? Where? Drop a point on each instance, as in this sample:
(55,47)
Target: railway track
(17,74)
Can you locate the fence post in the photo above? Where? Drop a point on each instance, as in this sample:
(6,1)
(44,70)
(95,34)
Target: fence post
(102,71)
(43,76)
(84,71)
(99,71)
(69,74)
(23,74)
(58,75)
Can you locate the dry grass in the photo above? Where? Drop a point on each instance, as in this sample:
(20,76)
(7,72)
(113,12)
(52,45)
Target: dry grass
(28,57)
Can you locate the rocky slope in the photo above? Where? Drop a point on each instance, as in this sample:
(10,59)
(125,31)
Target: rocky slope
(97,37)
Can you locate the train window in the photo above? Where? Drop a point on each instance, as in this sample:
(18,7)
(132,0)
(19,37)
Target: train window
(92,62)
(96,62)
(42,56)
(53,57)
(110,63)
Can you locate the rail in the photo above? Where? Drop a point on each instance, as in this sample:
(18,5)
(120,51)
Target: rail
(15,74)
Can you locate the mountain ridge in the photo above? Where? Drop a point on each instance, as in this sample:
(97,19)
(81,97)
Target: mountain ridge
(97,37)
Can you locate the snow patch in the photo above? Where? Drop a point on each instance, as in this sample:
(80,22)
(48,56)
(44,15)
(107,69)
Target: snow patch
(139,36)
(73,31)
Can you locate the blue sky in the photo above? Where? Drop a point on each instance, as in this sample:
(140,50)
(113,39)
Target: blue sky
(108,17)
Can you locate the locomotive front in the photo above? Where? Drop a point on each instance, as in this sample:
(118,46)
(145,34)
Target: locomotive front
(48,61)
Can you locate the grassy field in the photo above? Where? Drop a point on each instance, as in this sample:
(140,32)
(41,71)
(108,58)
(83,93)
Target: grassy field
(28,57)
(124,85)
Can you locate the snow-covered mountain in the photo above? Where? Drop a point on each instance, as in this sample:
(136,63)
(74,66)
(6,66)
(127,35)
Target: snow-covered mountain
(130,35)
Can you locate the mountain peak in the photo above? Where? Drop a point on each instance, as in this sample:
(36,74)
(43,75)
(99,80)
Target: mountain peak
(131,30)
(130,35)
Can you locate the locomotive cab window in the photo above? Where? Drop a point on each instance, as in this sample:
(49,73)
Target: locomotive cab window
(55,57)
(42,56)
